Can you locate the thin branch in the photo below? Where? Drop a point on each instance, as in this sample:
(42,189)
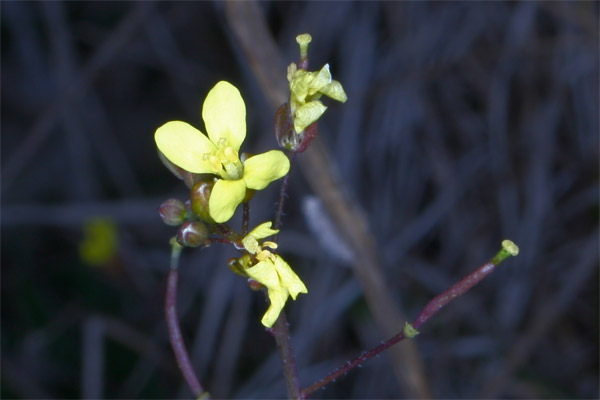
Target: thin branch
(432,308)
(281,334)
(179,349)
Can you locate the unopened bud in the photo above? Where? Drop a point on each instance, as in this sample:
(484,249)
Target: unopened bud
(284,128)
(286,135)
(192,234)
(199,196)
(172,212)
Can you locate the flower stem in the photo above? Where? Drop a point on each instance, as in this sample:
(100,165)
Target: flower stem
(280,329)
(462,286)
(288,360)
(246,218)
(175,337)
(282,196)
(410,330)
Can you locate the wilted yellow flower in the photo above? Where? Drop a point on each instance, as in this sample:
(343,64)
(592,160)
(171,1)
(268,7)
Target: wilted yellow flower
(224,114)
(306,88)
(271,271)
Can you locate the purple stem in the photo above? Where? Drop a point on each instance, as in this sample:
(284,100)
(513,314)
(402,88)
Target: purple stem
(282,196)
(344,369)
(280,330)
(435,305)
(288,360)
(173,326)
(455,290)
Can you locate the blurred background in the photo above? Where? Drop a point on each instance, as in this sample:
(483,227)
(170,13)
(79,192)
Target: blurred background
(466,123)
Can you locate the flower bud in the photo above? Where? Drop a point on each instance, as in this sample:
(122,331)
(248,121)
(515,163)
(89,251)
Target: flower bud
(286,135)
(199,195)
(284,128)
(192,234)
(172,212)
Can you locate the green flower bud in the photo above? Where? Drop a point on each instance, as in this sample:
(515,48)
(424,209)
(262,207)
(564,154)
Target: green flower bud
(199,196)
(172,212)
(192,234)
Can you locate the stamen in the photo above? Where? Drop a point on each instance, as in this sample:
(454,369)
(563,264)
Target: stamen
(272,245)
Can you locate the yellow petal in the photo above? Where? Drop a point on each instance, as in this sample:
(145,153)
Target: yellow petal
(250,244)
(265,273)
(321,79)
(277,298)
(335,91)
(185,146)
(263,169)
(307,114)
(224,199)
(300,84)
(224,114)
(289,279)
(262,231)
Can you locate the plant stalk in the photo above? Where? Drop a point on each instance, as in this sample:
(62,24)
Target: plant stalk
(175,337)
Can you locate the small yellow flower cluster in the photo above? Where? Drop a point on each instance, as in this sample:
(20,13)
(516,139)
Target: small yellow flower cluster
(224,114)
(271,271)
(306,88)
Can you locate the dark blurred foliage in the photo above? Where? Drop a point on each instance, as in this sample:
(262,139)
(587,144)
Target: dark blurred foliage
(466,123)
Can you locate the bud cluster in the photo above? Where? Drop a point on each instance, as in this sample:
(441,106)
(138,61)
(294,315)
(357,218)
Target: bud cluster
(192,217)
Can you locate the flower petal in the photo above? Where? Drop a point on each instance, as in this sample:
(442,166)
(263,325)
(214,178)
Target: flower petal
(184,146)
(265,168)
(262,231)
(224,114)
(265,273)
(321,79)
(307,114)
(289,279)
(277,298)
(335,91)
(224,199)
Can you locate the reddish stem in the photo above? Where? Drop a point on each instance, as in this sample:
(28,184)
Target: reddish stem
(435,305)
(175,334)
(453,292)
(288,360)
(344,369)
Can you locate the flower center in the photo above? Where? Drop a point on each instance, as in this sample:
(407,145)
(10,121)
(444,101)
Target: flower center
(225,161)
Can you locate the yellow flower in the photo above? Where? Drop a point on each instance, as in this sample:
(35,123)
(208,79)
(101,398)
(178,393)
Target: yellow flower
(271,271)
(100,242)
(305,90)
(224,114)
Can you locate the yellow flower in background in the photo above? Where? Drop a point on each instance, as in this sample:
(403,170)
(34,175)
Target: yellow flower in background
(271,271)
(100,242)
(224,115)
(306,88)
